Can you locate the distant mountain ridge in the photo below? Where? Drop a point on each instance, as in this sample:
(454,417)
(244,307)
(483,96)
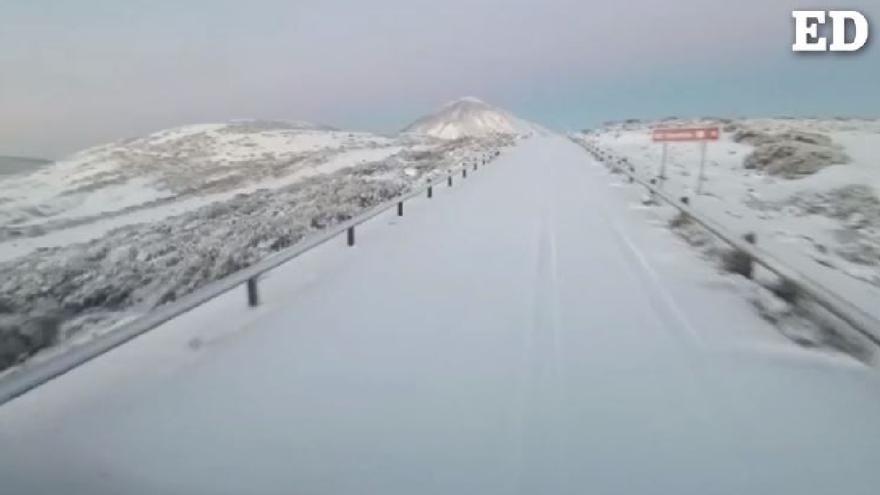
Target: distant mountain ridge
(19,164)
(471,117)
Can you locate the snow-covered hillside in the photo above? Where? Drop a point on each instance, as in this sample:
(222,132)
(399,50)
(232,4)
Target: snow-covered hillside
(115,230)
(172,171)
(175,171)
(809,189)
(471,117)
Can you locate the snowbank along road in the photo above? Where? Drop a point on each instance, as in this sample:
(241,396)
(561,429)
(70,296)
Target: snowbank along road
(528,333)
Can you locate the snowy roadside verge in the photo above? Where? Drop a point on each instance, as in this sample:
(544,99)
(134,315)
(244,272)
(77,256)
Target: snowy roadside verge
(800,309)
(821,217)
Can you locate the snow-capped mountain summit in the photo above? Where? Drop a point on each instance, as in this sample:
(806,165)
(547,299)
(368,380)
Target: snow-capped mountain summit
(470,117)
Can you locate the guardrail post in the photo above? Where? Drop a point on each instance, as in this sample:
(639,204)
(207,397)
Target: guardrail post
(400,208)
(351,236)
(739,261)
(252,294)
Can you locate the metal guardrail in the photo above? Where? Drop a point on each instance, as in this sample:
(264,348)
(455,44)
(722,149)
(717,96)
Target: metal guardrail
(28,377)
(862,322)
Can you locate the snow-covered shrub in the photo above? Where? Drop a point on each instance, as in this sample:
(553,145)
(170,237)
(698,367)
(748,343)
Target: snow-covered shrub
(737,261)
(770,306)
(790,154)
(680,220)
(23,335)
(786,290)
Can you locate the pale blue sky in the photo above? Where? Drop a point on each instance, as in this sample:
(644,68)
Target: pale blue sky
(79,73)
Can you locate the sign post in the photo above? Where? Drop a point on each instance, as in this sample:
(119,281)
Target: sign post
(663,159)
(701,135)
(701,176)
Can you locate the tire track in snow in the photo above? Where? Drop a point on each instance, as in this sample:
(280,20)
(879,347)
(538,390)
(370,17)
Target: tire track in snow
(669,311)
(542,439)
(675,318)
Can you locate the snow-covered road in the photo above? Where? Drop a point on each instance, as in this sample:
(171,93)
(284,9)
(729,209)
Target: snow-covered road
(527,332)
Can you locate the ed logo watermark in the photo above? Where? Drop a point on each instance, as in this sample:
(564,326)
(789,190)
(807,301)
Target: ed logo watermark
(849,31)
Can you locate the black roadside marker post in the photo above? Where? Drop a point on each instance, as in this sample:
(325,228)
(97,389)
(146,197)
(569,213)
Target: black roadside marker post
(400,208)
(351,236)
(430,191)
(449,180)
(253,295)
(464,173)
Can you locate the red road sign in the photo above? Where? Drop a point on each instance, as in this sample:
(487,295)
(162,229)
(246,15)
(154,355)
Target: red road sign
(686,134)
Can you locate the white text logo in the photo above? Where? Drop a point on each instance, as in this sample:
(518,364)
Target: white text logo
(808,38)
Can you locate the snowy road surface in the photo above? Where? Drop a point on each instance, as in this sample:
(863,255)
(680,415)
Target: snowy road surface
(526,332)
